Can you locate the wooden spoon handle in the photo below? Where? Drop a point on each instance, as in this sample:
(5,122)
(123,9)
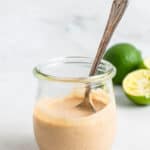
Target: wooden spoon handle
(116,13)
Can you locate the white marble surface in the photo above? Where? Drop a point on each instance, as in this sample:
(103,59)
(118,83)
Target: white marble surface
(34,30)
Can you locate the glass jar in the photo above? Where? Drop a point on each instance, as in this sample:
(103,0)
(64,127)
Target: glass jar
(58,123)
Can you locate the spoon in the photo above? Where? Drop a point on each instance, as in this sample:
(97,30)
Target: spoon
(117,10)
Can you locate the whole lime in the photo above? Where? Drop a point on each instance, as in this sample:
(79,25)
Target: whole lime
(125,57)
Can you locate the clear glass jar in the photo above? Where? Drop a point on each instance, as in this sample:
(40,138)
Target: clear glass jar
(58,125)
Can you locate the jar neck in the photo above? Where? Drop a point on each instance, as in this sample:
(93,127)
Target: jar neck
(74,69)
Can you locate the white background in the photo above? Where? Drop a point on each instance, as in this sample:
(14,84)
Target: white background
(34,30)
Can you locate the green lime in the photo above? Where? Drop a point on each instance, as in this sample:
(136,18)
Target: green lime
(136,86)
(146,63)
(125,57)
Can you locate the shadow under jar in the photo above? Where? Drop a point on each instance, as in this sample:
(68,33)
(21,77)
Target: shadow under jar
(58,123)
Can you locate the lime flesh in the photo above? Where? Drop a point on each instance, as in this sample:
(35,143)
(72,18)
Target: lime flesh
(146,63)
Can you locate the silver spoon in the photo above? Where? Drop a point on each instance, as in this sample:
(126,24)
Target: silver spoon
(117,10)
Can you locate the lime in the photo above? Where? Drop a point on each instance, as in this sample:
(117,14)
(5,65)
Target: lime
(136,86)
(146,63)
(125,57)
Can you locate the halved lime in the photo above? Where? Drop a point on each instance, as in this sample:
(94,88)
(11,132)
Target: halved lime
(146,63)
(136,86)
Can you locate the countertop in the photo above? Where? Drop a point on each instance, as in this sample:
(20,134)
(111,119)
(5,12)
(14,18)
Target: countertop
(32,31)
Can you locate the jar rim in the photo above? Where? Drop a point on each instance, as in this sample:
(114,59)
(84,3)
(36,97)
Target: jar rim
(108,74)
